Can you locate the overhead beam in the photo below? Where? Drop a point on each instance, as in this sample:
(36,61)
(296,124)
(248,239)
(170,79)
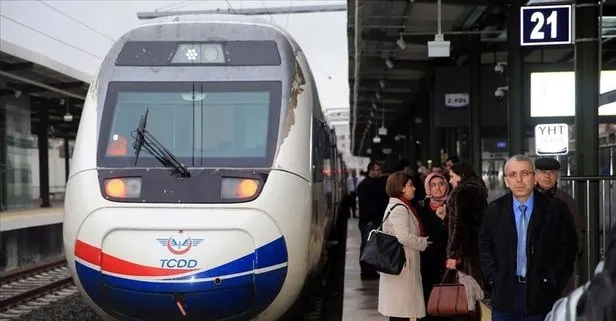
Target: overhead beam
(391,84)
(39,84)
(384,96)
(455,2)
(247,11)
(35,89)
(15,66)
(380,64)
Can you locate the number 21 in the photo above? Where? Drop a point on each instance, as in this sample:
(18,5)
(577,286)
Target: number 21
(539,18)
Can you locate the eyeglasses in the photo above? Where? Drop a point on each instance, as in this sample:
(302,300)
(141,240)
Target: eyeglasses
(523,174)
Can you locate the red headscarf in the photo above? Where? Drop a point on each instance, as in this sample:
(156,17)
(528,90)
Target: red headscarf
(414,211)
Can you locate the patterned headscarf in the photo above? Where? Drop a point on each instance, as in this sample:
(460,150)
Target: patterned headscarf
(434,199)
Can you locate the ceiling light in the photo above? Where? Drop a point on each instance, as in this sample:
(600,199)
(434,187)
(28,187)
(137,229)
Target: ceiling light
(382,84)
(401,43)
(389,64)
(378,96)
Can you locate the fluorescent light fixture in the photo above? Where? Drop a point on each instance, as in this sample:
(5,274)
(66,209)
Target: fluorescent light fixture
(374,106)
(389,64)
(382,84)
(401,43)
(378,96)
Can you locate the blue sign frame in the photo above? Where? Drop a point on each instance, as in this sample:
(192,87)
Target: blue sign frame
(545,25)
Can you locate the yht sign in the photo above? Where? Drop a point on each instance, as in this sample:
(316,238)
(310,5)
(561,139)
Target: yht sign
(545,25)
(551,139)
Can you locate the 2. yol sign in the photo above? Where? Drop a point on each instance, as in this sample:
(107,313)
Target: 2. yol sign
(456,100)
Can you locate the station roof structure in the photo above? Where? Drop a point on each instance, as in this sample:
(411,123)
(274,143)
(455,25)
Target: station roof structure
(394,68)
(47,88)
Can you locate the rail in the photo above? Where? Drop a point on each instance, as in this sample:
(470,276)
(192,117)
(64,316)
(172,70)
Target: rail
(596,198)
(25,285)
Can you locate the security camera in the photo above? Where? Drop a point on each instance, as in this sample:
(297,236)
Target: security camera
(500,67)
(500,92)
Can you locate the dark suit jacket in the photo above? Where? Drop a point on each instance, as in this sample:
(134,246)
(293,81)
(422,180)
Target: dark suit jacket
(551,251)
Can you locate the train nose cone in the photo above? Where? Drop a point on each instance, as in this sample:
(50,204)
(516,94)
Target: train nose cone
(161,275)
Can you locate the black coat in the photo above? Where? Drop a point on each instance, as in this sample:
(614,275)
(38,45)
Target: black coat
(466,207)
(373,200)
(434,256)
(551,250)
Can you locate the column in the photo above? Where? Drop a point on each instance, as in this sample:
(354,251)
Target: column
(43,151)
(474,126)
(66,158)
(587,73)
(515,94)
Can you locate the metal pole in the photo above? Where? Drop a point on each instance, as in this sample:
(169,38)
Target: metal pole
(515,94)
(474,125)
(587,75)
(357,60)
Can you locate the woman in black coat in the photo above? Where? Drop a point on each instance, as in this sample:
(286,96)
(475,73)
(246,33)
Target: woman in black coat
(466,206)
(432,211)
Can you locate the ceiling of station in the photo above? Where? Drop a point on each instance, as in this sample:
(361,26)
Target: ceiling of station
(394,68)
(46,88)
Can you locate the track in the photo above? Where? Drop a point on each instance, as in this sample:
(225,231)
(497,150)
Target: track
(27,289)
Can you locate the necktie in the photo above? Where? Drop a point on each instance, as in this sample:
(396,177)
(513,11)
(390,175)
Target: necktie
(522,229)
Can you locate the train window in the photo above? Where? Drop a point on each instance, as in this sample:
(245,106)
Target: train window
(222,124)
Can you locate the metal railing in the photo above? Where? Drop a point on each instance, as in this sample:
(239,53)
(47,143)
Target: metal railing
(596,198)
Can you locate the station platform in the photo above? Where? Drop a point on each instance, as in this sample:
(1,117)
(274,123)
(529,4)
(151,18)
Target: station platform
(361,297)
(26,218)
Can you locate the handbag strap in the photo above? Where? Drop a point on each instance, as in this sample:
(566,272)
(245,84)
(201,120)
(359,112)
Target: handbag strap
(387,216)
(440,293)
(447,274)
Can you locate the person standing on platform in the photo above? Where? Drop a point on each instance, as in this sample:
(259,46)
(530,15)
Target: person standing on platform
(432,211)
(527,245)
(372,203)
(547,171)
(466,207)
(352,194)
(401,296)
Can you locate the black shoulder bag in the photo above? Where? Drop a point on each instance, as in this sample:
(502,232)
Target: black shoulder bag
(383,252)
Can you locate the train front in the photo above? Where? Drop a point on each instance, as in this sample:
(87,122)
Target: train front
(173,204)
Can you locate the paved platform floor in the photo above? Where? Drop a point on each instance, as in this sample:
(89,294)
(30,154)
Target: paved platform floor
(24,218)
(361,297)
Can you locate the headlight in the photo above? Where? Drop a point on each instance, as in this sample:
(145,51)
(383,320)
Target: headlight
(238,188)
(124,187)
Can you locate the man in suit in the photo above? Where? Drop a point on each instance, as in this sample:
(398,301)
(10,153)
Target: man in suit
(527,245)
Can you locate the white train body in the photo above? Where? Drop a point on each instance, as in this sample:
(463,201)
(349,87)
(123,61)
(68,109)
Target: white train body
(236,240)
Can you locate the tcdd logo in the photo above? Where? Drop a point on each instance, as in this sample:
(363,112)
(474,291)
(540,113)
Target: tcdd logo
(177,263)
(179,244)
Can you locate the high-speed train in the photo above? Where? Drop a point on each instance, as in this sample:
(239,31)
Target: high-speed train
(204,178)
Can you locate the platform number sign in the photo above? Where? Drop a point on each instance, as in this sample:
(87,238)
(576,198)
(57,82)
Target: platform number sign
(545,25)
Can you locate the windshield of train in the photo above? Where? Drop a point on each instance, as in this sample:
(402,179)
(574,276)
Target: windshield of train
(222,124)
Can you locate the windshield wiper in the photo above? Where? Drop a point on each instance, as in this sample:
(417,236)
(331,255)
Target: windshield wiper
(155,148)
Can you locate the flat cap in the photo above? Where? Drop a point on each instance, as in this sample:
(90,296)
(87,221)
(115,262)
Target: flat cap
(547,164)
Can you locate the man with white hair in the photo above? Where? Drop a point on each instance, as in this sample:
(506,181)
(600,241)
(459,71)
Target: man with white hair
(527,245)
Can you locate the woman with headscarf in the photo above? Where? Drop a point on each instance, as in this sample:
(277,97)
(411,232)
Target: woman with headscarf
(432,212)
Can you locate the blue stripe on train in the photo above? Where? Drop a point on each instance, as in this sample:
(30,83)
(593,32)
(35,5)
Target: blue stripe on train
(243,296)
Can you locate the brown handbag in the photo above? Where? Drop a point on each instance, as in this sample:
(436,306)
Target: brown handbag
(448,299)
